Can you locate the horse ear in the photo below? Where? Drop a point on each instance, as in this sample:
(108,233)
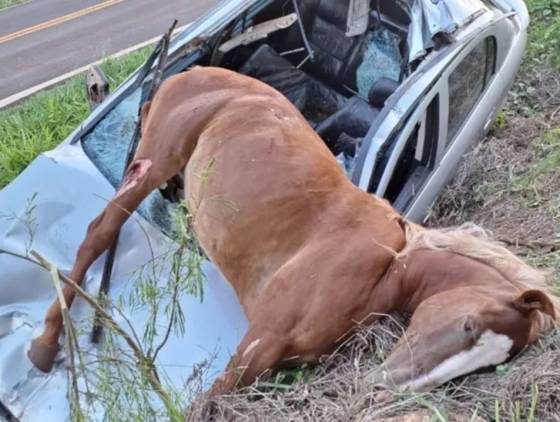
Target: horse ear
(534,300)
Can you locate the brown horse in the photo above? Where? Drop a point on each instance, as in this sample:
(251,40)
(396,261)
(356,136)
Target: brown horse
(308,253)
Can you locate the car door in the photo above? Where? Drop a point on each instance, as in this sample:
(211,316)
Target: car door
(446,108)
(432,130)
(472,90)
(414,154)
(402,147)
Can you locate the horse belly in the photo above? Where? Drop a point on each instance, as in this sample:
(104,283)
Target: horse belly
(248,199)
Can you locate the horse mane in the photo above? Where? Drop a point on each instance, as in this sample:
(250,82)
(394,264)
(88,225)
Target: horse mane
(474,242)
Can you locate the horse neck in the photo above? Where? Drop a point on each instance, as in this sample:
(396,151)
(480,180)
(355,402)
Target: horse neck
(426,272)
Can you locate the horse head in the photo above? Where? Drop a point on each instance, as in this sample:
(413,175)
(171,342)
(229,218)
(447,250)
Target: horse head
(473,304)
(461,330)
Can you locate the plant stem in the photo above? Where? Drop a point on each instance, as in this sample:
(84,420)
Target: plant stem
(145,365)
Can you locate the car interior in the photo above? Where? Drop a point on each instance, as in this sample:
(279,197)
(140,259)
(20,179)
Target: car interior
(339,81)
(335,63)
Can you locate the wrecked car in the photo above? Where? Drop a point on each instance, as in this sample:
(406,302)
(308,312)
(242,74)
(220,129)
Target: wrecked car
(398,91)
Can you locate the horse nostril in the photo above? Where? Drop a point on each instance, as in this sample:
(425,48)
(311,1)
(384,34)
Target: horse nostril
(469,325)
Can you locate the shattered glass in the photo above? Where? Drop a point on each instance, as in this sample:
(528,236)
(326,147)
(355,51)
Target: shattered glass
(382,59)
(346,163)
(107,145)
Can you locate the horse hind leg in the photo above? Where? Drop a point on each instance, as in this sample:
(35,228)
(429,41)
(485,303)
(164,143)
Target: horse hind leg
(258,353)
(140,179)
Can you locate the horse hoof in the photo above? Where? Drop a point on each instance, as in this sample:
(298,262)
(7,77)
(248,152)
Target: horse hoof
(42,355)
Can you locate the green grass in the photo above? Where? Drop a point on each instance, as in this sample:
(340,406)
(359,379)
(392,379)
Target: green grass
(4,4)
(46,119)
(538,185)
(544,33)
(548,153)
(542,55)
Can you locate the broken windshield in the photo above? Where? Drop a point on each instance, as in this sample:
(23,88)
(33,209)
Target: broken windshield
(107,145)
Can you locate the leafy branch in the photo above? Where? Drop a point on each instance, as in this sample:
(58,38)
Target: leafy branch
(125,380)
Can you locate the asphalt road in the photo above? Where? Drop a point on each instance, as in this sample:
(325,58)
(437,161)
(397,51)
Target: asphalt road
(43,39)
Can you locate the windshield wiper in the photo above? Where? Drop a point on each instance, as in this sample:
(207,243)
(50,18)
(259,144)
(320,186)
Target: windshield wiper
(162,50)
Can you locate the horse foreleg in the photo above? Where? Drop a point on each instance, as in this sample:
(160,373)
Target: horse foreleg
(257,354)
(137,184)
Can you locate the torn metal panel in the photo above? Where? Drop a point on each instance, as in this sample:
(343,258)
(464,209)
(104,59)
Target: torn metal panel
(70,192)
(358,17)
(259,32)
(97,86)
(432,17)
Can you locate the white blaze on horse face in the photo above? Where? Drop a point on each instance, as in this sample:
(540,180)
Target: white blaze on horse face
(490,349)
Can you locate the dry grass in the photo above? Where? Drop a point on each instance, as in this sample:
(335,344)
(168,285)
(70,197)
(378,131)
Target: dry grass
(335,389)
(507,185)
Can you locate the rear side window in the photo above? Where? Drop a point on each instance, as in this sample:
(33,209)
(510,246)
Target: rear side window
(468,81)
(417,159)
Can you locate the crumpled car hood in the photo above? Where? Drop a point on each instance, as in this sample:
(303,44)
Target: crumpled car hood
(70,192)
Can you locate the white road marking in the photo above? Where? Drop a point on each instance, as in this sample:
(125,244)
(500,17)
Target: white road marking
(491,349)
(44,85)
(59,20)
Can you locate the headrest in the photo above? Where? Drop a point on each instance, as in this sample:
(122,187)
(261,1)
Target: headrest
(265,61)
(334,12)
(381,90)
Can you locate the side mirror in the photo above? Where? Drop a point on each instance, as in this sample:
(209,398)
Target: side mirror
(97,86)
